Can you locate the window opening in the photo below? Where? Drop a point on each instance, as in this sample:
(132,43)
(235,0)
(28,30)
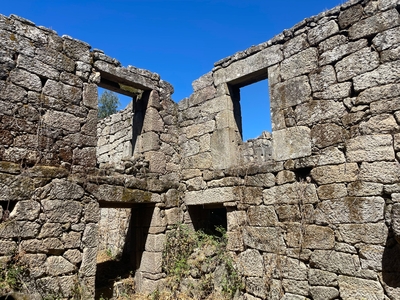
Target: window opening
(208,218)
(252,108)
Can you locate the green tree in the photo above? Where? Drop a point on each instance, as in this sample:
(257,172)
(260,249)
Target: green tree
(108,103)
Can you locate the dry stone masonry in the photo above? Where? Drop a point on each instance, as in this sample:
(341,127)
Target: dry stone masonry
(312,210)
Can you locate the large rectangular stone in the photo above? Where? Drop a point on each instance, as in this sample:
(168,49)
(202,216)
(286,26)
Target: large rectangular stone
(209,196)
(291,92)
(378,93)
(350,210)
(381,172)
(290,194)
(370,148)
(291,143)
(335,174)
(319,110)
(357,63)
(268,239)
(384,74)
(335,262)
(299,64)
(321,32)
(363,233)
(374,24)
(341,50)
(254,63)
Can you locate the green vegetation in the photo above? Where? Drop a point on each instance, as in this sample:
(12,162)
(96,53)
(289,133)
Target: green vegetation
(108,104)
(200,264)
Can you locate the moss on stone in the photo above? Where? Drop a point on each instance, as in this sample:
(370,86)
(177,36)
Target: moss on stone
(136,196)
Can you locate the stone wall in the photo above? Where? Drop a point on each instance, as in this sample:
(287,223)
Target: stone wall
(312,209)
(48,120)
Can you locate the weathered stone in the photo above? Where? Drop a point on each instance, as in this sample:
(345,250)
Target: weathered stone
(72,239)
(288,213)
(317,110)
(253,63)
(374,24)
(395,218)
(365,233)
(356,63)
(335,174)
(335,262)
(261,180)
(90,236)
(264,238)
(151,262)
(361,188)
(380,172)
(310,236)
(386,39)
(88,265)
(37,67)
(35,263)
(299,64)
(295,45)
(255,285)
(332,191)
(385,74)
(26,80)
(295,287)
(57,265)
(7,247)
(291,143)
(62,211)
(321,32)
(19,229)
(350,16)
(291,92)
(350,210)
(384,123)
(324,293)
(25,210)
(322,278)
(284,267)
(215,195)
(330,156)
(290,194)
(285,176)
(202,82)
(357,288)
(323,135)
(332,42)
(251,263)
(341,50)
(371,257)
(322,78)
(370,148)
(74,256)
(262,216)
(335,91)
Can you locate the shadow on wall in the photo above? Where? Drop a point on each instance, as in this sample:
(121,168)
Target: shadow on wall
(391,267)
(113,270)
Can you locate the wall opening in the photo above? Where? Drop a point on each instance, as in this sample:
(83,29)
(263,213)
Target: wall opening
(121,244)
(251,104)
(117,136)
(208,218)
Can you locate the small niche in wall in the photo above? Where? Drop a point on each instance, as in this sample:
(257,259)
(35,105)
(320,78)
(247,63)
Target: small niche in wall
(252,108)
(208,218)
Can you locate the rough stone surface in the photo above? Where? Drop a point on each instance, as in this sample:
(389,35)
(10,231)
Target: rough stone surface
(311,209)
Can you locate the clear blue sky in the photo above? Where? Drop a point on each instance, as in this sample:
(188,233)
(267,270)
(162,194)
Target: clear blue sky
(178,39)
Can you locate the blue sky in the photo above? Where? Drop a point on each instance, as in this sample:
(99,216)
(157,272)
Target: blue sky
(178,39)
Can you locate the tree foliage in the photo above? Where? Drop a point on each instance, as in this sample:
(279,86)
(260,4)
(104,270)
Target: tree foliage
(108,103)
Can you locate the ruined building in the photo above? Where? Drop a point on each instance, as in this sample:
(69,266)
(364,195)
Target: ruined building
(312,210)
